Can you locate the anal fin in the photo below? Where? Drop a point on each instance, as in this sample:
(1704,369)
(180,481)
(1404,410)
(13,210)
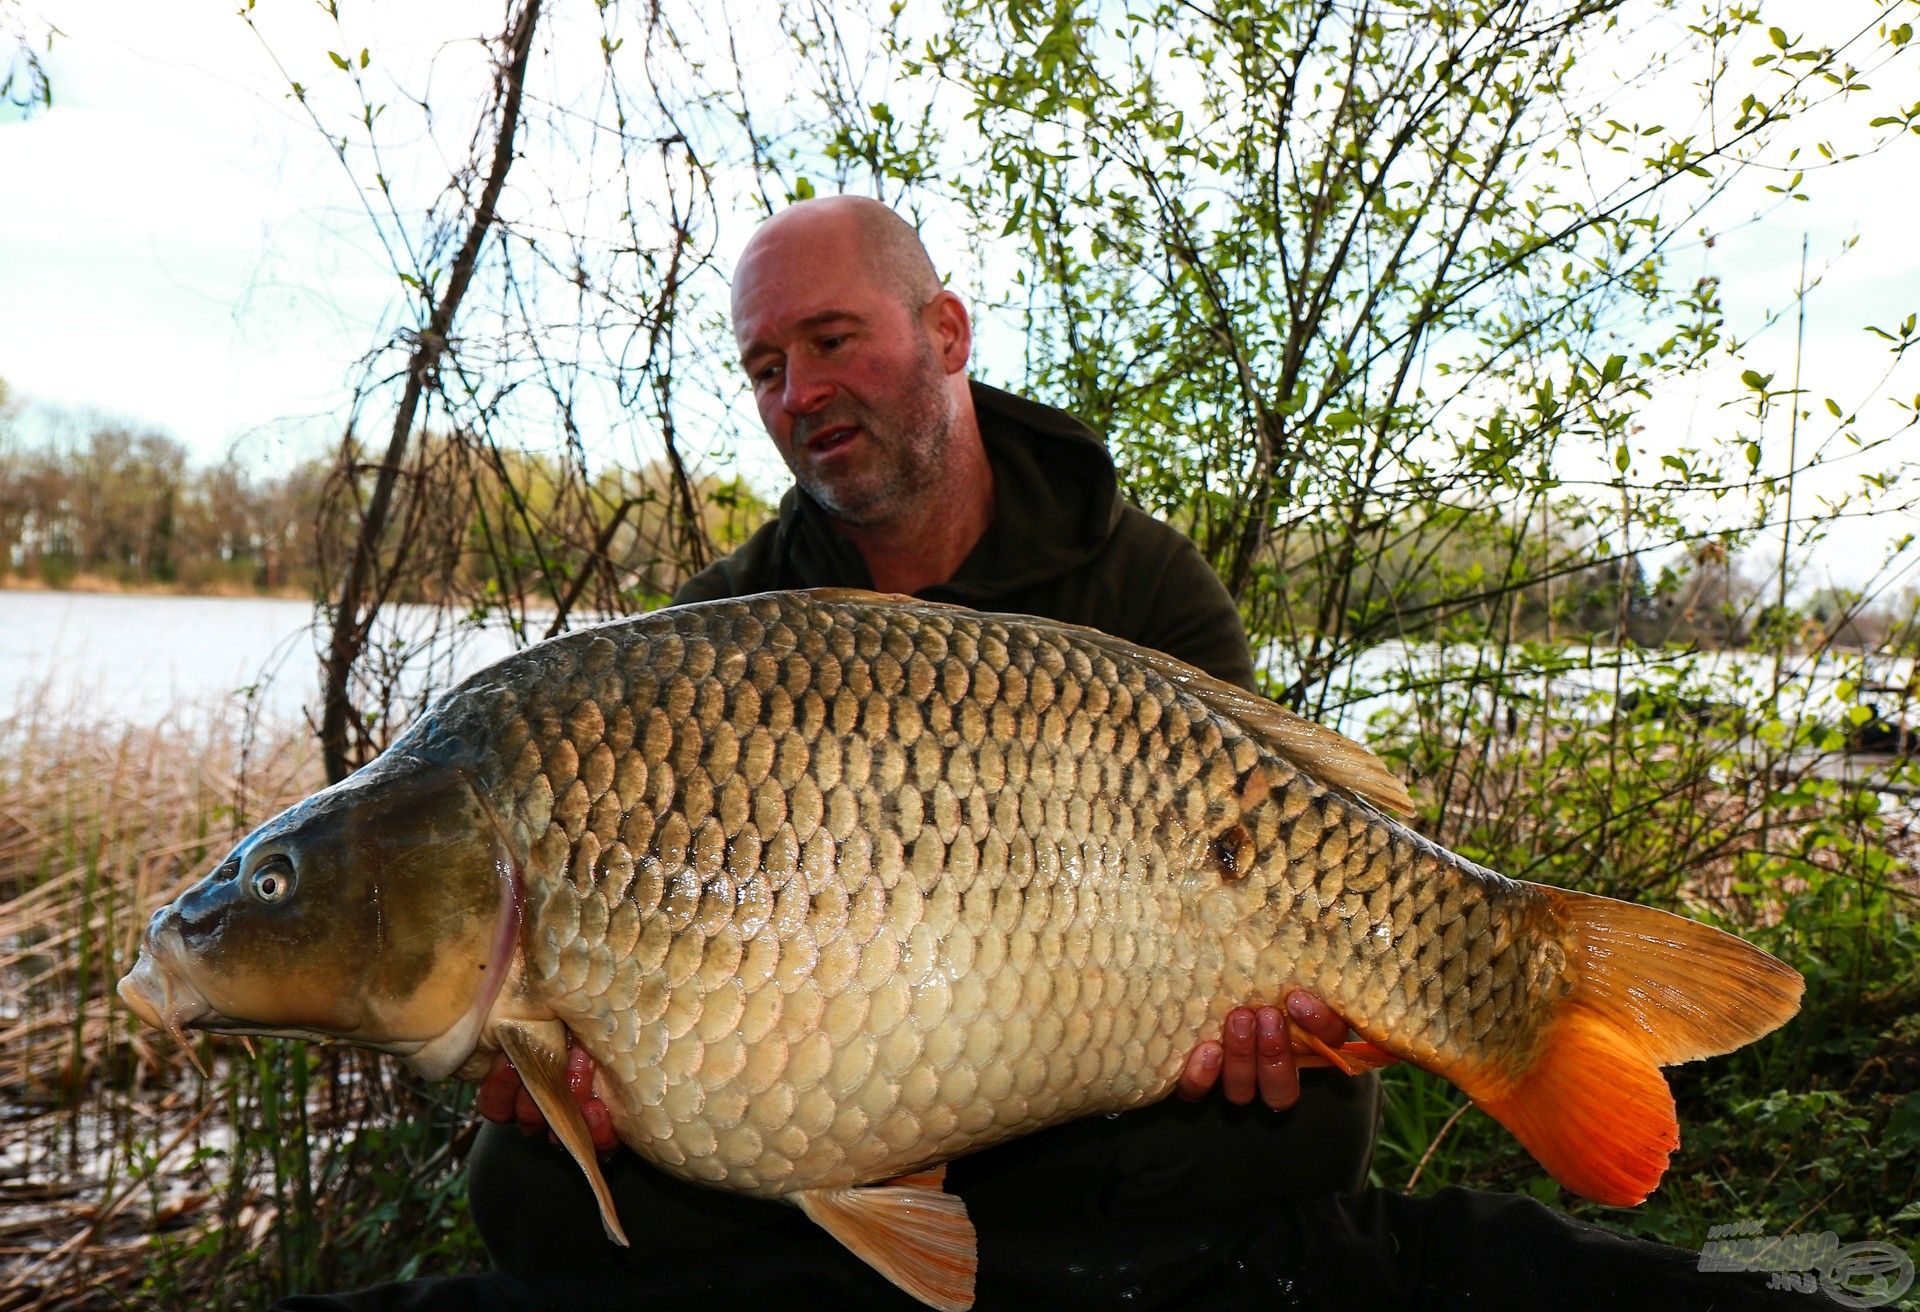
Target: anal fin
(910,1231)
(934,1177)
(538,1050)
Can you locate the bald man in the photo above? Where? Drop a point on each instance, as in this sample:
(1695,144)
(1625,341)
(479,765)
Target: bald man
(911,478)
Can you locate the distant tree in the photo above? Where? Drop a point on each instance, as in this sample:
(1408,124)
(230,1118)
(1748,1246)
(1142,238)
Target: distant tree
(15,463)
(122,501)
(95,497)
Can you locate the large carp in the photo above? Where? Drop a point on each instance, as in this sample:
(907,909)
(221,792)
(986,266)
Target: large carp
(835,887)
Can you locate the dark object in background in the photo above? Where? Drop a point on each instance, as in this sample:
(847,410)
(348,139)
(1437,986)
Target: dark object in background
(1878,734)
(1671,708)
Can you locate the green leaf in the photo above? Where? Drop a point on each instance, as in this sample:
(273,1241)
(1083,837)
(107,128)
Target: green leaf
(803,188)
(363,56)
(339,60)
(1755,379)
(1621,459)
(1753,455)
(1778,37)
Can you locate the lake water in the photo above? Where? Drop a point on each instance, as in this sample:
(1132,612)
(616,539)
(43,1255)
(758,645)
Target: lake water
(141,659)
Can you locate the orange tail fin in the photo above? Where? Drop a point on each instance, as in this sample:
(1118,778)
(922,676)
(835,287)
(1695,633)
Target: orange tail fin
(1651,989)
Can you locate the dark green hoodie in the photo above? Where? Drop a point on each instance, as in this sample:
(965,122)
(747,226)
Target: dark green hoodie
(1063,544)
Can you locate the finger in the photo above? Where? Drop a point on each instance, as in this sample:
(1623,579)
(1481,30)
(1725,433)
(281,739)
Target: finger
(497,1092)
(1237,1079)
(1316,1017)
(1279,1080)
(600,1126)
(527,1112)
(580,1074)
(1201,1072)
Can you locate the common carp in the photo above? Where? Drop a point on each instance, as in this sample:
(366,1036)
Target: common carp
(836,887)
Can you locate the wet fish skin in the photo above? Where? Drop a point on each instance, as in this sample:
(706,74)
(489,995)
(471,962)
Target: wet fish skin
(833,888)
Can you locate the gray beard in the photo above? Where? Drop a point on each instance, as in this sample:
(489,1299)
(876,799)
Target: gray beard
(913,449)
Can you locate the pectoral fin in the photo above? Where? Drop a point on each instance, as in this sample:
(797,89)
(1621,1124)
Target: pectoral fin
(910,1231)
(538,1050)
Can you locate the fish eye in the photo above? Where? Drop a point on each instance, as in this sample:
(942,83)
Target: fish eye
(273,881)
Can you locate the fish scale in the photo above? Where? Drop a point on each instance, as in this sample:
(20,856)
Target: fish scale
(835,887)
(845,852)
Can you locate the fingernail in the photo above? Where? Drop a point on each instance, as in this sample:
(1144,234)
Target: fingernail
(1240,1025)
(1302,1007)
(1269,1027)
(1210,1059)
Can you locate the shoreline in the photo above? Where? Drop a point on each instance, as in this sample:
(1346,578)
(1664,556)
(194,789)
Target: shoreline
(98,585)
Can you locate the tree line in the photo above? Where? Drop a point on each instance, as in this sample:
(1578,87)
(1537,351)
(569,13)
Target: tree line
(110,504)
(114,504)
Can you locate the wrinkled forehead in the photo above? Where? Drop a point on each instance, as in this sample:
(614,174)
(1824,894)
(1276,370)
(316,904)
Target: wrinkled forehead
(788,280)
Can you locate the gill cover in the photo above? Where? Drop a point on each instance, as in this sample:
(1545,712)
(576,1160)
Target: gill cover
(382,911)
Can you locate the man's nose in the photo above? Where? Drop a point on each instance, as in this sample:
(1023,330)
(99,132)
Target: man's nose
(804,389)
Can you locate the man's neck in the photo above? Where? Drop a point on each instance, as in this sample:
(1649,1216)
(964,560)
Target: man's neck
(928,544)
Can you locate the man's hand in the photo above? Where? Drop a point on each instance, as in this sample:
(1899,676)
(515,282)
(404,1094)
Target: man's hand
(1255,1053)
(504,1100)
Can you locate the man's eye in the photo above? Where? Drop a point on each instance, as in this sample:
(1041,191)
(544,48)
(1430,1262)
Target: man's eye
(833,343)
(765,373)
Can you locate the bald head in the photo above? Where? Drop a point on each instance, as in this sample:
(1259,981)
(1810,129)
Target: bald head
(871,237)
(858,360)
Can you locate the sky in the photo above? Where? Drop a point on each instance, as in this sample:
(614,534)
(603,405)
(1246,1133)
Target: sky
(181,248)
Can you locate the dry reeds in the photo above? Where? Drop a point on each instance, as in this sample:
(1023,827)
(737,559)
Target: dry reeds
(106,1140)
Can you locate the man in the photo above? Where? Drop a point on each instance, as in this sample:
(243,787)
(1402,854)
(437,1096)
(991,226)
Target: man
(912,479)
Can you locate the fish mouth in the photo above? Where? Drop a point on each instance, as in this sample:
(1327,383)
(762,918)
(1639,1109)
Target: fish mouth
(160,994)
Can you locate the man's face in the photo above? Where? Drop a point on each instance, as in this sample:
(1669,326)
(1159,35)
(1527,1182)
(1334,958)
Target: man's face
(847,378)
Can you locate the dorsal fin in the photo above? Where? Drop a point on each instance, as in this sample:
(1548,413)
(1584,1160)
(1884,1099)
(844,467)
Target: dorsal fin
(1332,758)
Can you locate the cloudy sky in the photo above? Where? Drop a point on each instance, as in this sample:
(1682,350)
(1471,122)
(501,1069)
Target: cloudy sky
(181,248)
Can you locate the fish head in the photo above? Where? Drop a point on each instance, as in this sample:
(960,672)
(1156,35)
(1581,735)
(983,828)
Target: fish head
(382,912)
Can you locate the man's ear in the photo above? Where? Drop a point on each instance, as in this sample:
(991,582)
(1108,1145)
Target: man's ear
(952,330)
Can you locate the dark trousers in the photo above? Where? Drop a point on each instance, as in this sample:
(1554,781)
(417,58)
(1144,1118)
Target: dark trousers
(1178,1207)
(1375,1250)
